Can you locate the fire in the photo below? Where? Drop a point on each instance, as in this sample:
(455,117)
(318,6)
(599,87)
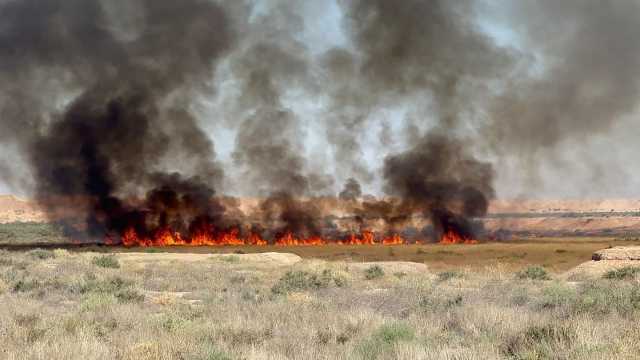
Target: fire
(452,237)
(365,238)
(208,236)
(394,239)
(289,240)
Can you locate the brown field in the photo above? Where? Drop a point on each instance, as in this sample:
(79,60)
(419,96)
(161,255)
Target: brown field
(555,254)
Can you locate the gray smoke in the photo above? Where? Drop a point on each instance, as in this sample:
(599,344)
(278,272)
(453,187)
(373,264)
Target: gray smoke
(98,98)
(588,59)
(351,191)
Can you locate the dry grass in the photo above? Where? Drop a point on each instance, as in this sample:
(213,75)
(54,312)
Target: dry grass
(66,306)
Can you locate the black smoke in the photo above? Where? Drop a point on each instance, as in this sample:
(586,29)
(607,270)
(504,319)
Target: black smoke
(124,120)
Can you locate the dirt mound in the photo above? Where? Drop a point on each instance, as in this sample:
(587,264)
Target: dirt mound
(604,261)
(592,270)
(618,253)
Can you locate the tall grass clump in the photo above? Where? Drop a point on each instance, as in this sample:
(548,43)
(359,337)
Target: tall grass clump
(42,254)
(373,272)
(296,281)
(533,273)
(625,273)
(382,341)
(106,261)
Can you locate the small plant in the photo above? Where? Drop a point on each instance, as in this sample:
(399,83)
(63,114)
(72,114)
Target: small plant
(383,340)
(439,302)
(294,281)
(212,353)
(106,261)
(26,285)
(42,254)
(129,296)
(539,342)
(533,273)
(448,275)
(625,273)
(373,272)
(400,274)
(393,333)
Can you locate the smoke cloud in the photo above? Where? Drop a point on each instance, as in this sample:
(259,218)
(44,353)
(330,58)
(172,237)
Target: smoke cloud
(123,113)
(98,99)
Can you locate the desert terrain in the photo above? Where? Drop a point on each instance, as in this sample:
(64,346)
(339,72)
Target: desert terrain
(147,305)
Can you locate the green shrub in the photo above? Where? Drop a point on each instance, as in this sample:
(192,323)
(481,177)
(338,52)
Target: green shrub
(106,261)
(533,273)
(382,341)
(373,272)
(42,254)
(448,275)
(294,281)
(92,285)
(625,273)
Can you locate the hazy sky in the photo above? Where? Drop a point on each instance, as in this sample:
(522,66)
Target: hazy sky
(603,164)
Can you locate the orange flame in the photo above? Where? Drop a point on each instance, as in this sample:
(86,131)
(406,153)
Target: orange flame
(394,239)
(207,236)
(451,237)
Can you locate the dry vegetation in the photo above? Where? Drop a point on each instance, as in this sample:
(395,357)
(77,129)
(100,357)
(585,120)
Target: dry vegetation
(62,305)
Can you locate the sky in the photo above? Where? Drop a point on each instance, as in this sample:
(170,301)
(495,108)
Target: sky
(603,165)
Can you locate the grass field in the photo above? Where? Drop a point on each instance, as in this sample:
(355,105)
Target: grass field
(83,305)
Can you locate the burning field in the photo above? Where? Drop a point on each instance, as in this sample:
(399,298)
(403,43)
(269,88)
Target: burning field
(146,123)
(348,161)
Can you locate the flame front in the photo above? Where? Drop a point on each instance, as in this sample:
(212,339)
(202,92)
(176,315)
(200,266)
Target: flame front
(208,236)
(452,237)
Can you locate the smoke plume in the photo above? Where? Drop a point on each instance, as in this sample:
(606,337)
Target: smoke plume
(124,120)
(99,100)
